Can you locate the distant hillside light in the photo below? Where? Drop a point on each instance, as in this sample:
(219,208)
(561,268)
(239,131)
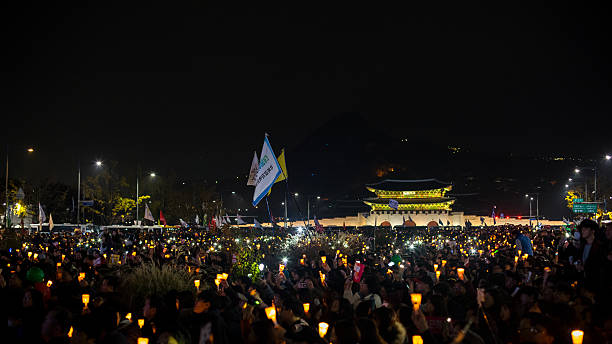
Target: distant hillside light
(30,150)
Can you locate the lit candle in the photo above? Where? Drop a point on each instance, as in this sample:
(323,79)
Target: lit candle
(81,276)
(516,259)
(323,259)
(417,340)
(281,267)
(416,300)
(460,273)
(438,275)
(49,283)
(435,267)
(140,323)
(63,257)
(271,313)
(142,340)
(129,316)
(70,332)
(197,284)
(85,299)
(323,329)
(443,263)
(302,261)
(519,252)
(217,282)
(306,307)
(35,255)
(224,276)
(29,254)
(577,336)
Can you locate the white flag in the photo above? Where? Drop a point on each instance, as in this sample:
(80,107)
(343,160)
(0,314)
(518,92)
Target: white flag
(254,169)
(228,220)
(239,219)
(50,222)
(197,219)
(148,215)
(41,214)
(267,172)
(257,224)
(183,223)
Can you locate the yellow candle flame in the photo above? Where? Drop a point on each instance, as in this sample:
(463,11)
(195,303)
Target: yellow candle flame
(81,276)
(438,274)
(460,272)
(323,259)
(417,340)
(142,340)
(85,298)
(577,336)
(435,267)
(197,283)
(129,316)
(306,307)
(49,283)
(416,300)
(443,263)
(271,313)
(70,332)
(281,267)
(323,329)
(140,323)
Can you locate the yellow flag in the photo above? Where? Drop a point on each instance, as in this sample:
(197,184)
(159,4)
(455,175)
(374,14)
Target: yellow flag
(284,175)
(281,162)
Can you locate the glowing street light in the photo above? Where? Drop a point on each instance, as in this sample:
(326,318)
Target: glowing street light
(608,157)
(577,170)
(98,163)
(30,150)
(152,174)
(296,194)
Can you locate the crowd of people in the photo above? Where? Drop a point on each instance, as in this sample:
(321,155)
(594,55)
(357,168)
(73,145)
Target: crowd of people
(501,284)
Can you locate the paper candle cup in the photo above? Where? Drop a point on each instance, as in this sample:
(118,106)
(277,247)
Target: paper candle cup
(271,313)
(140,323)
(323,329)
(281,267)
(435,267)
(142,340)
(306,307)
(323,259)
(416,300)
(417,340)
(224,276)
(438,274)
(460,272)
(443,263)
(85,299)
(577,336)
(197,283)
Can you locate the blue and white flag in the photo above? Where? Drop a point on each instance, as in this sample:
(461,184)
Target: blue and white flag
(197,219)
(239,220)
(254,169)
(41,214)
(183,223)
(410,218)
(440,222)
(267,172)
(393,204)
(257,224)
(148,215)
(493,215)
(482,220)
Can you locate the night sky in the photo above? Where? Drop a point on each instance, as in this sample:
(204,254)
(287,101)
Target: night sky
(193,87)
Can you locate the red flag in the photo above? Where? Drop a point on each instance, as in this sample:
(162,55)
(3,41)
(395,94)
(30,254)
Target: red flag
(344,225)
(358,272)
(162,219)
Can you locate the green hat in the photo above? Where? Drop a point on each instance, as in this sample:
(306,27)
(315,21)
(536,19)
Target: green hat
(396,259)
(35,275)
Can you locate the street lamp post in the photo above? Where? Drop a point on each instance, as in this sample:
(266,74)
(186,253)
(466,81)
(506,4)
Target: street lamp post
(6,206)
(537,207)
